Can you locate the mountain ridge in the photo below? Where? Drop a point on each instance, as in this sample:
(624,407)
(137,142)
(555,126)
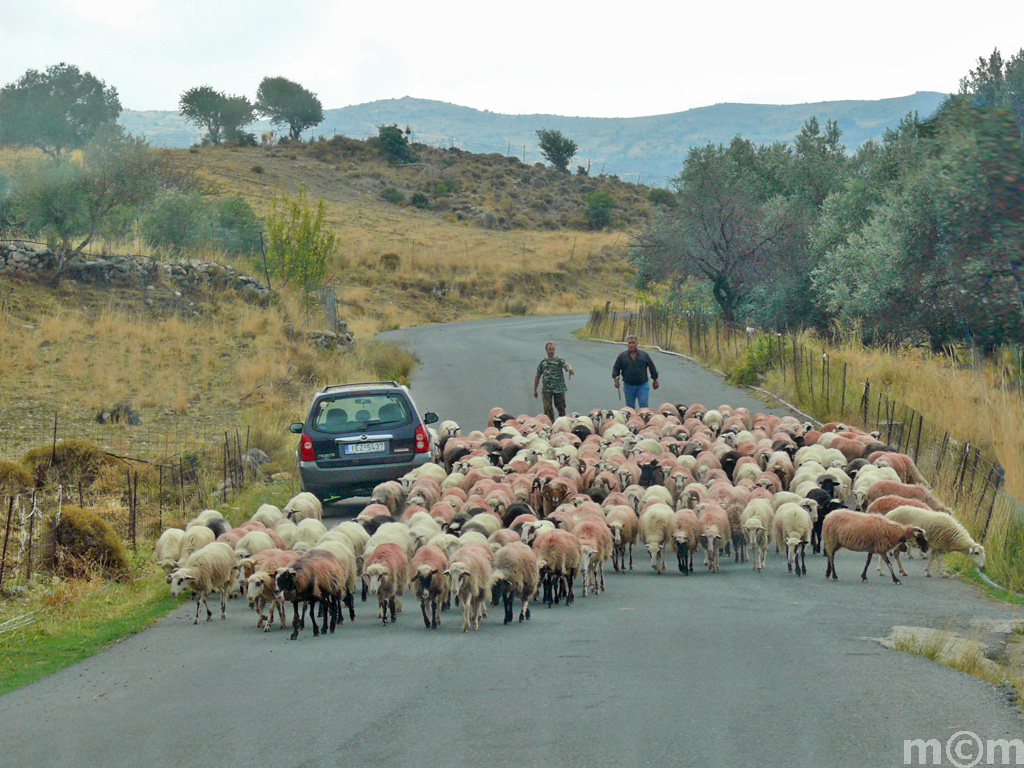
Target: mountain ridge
(648,149)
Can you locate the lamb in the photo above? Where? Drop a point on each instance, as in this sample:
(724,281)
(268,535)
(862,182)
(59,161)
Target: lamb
(429,583)
(315,577)
(793,526)
(168,549)
(558,557)
(469,576)
(386,575)
(302,506)
(686,533)
(595,539)
(715,532)
(656,533)
(945,534)
(210,569)
(861,532)
(624,525)
(516,573)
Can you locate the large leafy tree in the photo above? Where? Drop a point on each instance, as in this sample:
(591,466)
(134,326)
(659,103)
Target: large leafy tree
(556,148)
(288,103)
(73,203)
(57,110)
(722,231)
(221,115)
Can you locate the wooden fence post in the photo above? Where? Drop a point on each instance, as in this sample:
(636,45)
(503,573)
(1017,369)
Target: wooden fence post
(7,538)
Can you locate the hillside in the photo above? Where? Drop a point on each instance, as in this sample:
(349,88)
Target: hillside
(650,149)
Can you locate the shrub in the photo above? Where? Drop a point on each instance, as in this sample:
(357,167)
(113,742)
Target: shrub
(78,543)
(68,462)
(257,168)
(389,262)
(388,361)
(14,477)
(420,200)
(392,195)
(446,187)
(394,144)
(660,196)
(598,213)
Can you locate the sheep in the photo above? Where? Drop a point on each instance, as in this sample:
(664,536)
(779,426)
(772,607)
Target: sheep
(194,539)
(686,533)
(315,577)
(212,519)
(793,525)
(757,521)
(656,533)
(469,577)
(595,550)
(210,569)
(391,494)
(302,506)
(516,573)
(624,525)
(253,542)
(257,574)
(945,534)
(386,575)
(167,550)
(558,557)
(861,532)
(918,492)
(715,532)
(429,583)
(267,514)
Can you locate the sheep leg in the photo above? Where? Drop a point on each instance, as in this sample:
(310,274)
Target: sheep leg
(864,575)
(830,569)
(391,605)
(351,603)
(366,590)
(896,554)
(223,604)
(630,547)
(803,558)
(507,600)
(295,620)
(570,598)
(423,610)
(313,618)
(891,571)
(198,598)
(435,620)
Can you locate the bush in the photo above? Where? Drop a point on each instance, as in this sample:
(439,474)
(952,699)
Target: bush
(660,196)
(420,200)
(79,543)
(392,195)
(389,262)
(14,477)
(598,213)
(446,187)
(69,462)
(388,361)
(394,144)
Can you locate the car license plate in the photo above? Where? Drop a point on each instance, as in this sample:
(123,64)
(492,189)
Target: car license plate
(352,449)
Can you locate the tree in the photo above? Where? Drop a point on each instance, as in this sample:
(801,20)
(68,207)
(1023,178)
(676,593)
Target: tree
(556,148)
(57,110)
(299,244)
(288,103)
(222,116)
(75,202)
(598,212)
(998,83)
(394,143)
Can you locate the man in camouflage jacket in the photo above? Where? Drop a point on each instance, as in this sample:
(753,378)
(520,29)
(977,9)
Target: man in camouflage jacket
(549,370)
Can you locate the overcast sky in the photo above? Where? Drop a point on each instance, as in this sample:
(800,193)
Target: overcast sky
(560,57)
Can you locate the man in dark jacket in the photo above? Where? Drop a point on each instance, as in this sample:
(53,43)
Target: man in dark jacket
(633,365)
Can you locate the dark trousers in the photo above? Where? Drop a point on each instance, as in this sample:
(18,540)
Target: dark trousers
(559,403)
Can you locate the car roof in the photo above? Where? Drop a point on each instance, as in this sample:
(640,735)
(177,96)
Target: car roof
(363,385)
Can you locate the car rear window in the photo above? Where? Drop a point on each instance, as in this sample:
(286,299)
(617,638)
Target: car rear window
(360,411)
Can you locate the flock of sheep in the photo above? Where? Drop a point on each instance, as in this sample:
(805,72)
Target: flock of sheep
(526,507)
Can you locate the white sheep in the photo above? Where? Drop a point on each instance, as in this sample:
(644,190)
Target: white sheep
(656,533)
(469,577)
(168,549)
(195,538)
(624,525)
(251,543)
(793,525)
(945,534)
(757,521)
(211,569)
(267,514)
(303,506)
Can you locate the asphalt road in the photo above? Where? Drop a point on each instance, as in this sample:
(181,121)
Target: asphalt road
(730,669)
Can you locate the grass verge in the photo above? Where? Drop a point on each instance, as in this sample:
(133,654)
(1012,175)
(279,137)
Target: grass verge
(76,620)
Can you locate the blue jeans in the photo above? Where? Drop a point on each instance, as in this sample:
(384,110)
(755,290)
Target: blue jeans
(635,392)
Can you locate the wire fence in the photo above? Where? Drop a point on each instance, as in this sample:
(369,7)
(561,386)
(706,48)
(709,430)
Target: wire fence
(148,496)
(966,476)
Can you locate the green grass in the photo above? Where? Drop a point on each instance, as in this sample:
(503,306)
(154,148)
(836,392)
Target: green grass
(966,570)
(77,621)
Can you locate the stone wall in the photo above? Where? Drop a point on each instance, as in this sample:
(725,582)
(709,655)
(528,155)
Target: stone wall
(33,261)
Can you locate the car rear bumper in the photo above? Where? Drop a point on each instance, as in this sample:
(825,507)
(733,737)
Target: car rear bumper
(342,482)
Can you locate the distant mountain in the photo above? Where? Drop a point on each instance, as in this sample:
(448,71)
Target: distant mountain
(650,149)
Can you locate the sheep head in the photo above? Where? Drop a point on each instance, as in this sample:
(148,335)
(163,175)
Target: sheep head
(181,580)
(377,577)
(917,537)
(977,554)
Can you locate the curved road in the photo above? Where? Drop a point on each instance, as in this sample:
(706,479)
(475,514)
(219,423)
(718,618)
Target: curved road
(732,669)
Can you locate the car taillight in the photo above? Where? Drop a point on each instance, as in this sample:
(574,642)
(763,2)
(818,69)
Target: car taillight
(422,440)
(306,448)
